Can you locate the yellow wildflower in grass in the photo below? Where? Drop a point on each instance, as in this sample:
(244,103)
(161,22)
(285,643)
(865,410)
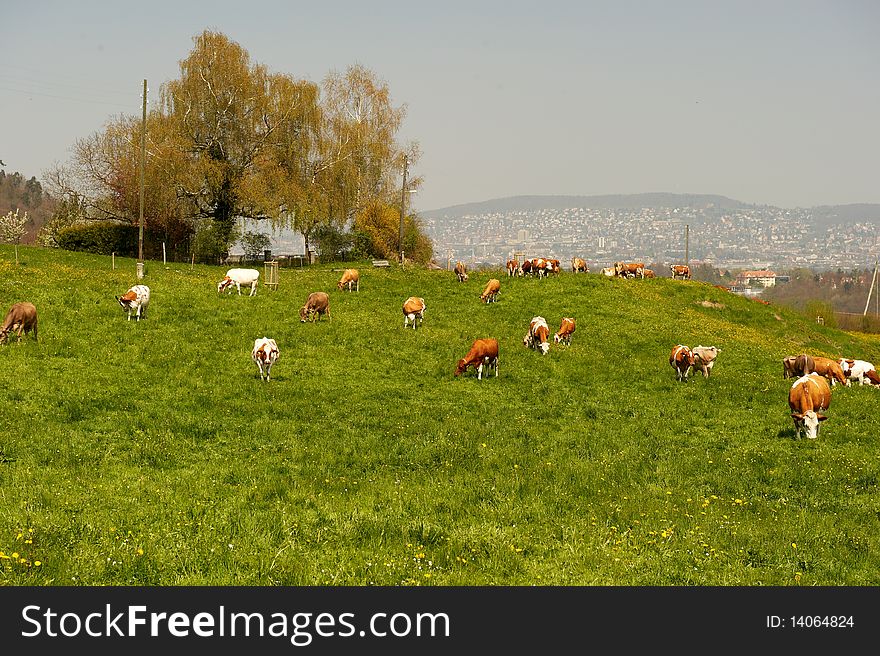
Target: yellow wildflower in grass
(37,563)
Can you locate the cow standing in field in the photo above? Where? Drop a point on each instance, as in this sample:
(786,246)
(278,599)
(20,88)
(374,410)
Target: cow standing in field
(461,271)
(795,366)
(578,265)
(484,352)
(608,271)
(831,370)
(537,336)
(807,398)
(553,266)
(566,330)
(20,319)
(704,358)
(629,269)
(317,304)
(680,271)
(681,359)
(490,292)
(265,354)
(539,266)
(649,273)
(349,277)
(859,370)
(525,269)
(239,277)
(136,300)
(413,311)
(512,268)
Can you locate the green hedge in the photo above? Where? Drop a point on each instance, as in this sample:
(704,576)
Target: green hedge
(103,238)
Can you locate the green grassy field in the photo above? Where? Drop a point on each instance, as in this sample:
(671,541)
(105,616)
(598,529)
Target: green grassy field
(150,453)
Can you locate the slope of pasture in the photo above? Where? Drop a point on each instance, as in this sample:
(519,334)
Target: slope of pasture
(150,453)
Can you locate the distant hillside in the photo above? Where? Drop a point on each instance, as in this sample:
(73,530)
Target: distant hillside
(854,213)
(612,201)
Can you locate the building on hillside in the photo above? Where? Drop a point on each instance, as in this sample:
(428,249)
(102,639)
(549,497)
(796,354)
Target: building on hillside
(763,277)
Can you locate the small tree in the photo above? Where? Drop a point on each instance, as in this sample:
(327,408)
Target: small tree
(254,243)
(12,229)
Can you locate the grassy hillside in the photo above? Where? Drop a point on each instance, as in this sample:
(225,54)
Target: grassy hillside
(151,453)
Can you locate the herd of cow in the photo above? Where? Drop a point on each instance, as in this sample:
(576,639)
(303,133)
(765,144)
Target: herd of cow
(808,397)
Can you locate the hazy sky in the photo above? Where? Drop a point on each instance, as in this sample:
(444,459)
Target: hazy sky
(765,102)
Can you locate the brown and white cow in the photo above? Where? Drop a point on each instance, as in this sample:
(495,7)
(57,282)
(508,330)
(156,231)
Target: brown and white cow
(795,366)
(859,370)
(566,330)
(682,271)
(317,304)
(608,271)
(578,265)
(525,269)
(413,311)
(461,271)
(681,359)
(830,369)
(484,352)
(537,336)
(513,268)
(137,300)
(807,398)
(539,266)
(490,292)
(349,277)
(21,319)
(554,266)
(704,358)
(265,354)
(649,273)
(629,269)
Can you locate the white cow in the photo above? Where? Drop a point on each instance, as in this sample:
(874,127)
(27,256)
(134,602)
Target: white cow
(265,354)
(704,358)
(239,277)
(136,299)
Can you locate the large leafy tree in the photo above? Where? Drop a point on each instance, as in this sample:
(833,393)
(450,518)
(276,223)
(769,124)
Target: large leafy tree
(230,140)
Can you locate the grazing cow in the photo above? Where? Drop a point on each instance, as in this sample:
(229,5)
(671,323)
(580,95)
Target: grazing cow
(540,266)
(350,277)
(537,336)
(461,271)
(608,271)
(317,304)
(807,398)
(413,311)
(265,354)
(578,265)
(136,300)
(831,370)
(788,363)
(649,273)
(681,359)
(239,277)
(566,329)
(682,271)
(553,266)
(483,352)
(795,366)
(859,370)
(704,358)
(525,269)
(490,292)
(513,268)
(21,318)
(629,269)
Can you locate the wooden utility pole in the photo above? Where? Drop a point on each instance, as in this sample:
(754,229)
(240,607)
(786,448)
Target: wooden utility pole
(402,209)
(686,252)
(140,263)
(871,291)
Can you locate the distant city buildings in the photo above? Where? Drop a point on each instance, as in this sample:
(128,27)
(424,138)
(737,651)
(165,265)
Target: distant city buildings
(756,238)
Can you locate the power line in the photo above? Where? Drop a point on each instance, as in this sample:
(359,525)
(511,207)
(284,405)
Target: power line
(30,92)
